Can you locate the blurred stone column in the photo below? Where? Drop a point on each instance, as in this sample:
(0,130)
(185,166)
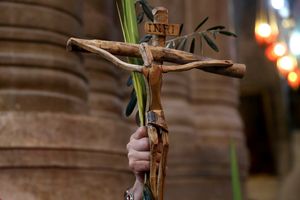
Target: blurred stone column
(214,102)
(105,103)
(49,147)
(104,97)
(290,188)
(37,74)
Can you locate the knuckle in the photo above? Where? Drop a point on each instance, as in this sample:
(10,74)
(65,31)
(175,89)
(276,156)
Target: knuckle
(145,143)
(135,168)
(128,146)
(142,129)
(131,164)
(147,155)
(146,166)
(131,137)
(130,154)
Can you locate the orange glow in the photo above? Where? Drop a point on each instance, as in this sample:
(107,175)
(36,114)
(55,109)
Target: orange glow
(286,64)
(266,25)
(280,49)
(265,34)
(263,30)
(276,51)
(270,53)
(294,79)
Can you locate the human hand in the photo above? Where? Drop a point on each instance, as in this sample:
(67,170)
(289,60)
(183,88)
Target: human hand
(139,159)
(139,153)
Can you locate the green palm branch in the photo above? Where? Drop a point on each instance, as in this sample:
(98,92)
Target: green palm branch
(235,175)
(131,35)
(129,26)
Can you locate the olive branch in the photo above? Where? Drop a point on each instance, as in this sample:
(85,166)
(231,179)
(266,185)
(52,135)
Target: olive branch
(180,43)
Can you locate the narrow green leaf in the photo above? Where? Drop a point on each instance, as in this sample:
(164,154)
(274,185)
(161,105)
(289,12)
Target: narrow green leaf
(131,20)
(140,88)
(147,194)
(146,2)
(168,44)
(173,45)
(216,28)
(137,119)
(201,43)
(140,17)
(214,33)
(129,81)
(228,33)
(132,103)
(130,33)
(148,10)
(210,42)
(181,29)
(182,44)
(192,47)
(201,23)
(177,43)
(121,22)
(146,38)
(235,176)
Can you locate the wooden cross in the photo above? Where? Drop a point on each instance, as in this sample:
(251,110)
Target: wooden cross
(153,68)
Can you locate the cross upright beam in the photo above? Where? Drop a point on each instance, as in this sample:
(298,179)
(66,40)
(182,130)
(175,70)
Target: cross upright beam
(161,18)
(156,123)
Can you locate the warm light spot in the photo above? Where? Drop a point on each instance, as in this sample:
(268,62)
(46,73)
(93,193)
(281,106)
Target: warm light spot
(277,4)
(294,79)
(284,12)
(286,64)
(265,33)
(263,30)
(288,23)
(280,49)
(295,43)
(275,51)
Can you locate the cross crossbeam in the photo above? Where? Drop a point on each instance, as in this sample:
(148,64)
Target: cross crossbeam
(160,54)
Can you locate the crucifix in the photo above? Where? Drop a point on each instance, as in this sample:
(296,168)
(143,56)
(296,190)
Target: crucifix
(153,69)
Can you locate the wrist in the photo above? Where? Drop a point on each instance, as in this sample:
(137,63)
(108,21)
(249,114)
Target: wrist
(136,192)
(137,189)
